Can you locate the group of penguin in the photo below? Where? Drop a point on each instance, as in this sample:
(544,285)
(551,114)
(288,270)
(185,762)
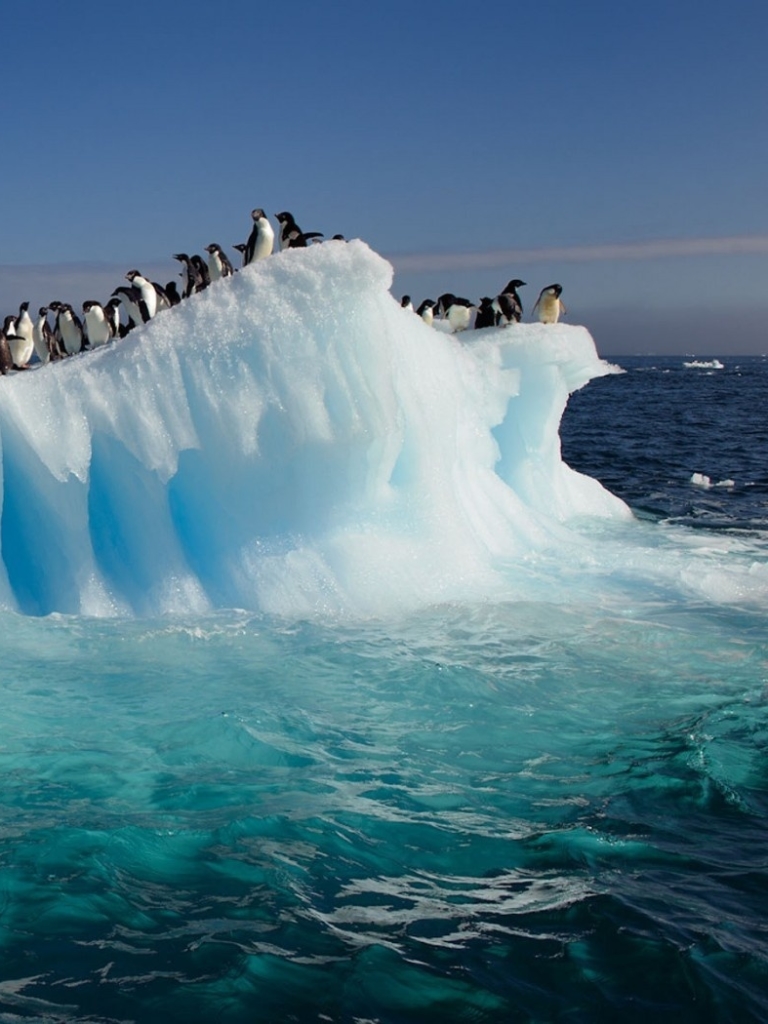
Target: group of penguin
(501,311)
(22,338)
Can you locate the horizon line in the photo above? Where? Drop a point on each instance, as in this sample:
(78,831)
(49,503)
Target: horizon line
(730,245)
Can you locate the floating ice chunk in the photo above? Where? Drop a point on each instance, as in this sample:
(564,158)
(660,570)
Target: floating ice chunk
(701,480)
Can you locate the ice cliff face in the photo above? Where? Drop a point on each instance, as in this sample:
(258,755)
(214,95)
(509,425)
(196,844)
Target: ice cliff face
(291,441)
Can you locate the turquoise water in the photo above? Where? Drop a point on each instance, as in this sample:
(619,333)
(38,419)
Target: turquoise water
(484,812)
(515,812)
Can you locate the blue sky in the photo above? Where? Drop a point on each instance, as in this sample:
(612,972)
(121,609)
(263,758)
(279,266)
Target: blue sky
(621,149)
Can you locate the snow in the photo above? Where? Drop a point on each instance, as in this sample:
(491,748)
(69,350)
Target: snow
(292,441)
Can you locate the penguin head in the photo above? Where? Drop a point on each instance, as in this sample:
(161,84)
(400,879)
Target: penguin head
(553,289)
(23,308)
(132,274)
(514,284)
(258,214)
(285,217)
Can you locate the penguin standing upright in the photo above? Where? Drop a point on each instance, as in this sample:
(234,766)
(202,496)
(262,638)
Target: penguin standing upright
(135,309)
(508,307)
(6,359)
(200,269)
(70,328)
(96,325)
(218,265)
(42,336)
(21,339)
(549,304)
(187,274)
(147,289)
(112,313)
(486,314)
(261,240)
(291,235)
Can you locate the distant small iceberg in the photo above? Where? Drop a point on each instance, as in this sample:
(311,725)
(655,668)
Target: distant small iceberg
(702,480)
(699,364)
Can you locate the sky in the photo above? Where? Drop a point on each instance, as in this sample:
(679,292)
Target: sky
(619,149)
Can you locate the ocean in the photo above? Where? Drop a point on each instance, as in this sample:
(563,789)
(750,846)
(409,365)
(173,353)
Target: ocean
(476,812)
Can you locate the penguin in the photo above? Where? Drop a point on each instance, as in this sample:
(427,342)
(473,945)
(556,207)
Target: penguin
(42,336)
(291,235)
(406,303)
(486,314)
(508,307)
(147,289)
(200,268)
(187,275)
(261,240)
(20,338)
(426,311)
(57,342)
(241,247)
(218,265)
(112,313)
(163,300)
(6,359)
(70,328)
(455,310)
(549,304)
(172,293)
(135,309)
(96,326)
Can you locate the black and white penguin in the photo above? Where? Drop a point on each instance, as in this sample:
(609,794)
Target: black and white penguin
(427,311)
(291,235)
(241,247)
(218,265)
(186,273)
(486,314)
(6,359)
(57,345)
(147,289)
(172,293)
(261,240)
(456,310)
(549,304)
(133,303)
(97,329)
(406,303)
(21,338)
(508,305)
(70,328)
(42,336)
(112,313)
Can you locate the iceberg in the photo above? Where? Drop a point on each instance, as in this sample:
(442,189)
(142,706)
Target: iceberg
(291,441)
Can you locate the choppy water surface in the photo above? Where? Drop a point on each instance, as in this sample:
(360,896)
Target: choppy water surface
(522,811)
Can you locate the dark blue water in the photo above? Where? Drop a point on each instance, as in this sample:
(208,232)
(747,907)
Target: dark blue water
(646,432)
(509,812)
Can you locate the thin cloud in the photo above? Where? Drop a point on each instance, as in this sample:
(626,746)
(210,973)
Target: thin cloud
(737,245)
